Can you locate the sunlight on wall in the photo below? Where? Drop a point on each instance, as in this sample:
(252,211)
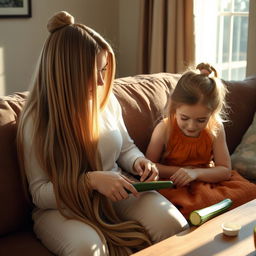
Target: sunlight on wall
(2,77)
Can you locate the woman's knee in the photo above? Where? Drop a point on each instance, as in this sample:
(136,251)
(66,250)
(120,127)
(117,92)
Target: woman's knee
(159,217)
(68,237)
(164,219)
(89,246)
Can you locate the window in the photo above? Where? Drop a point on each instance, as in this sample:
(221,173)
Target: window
(221,35)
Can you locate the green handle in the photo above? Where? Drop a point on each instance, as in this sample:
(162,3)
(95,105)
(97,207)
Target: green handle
(152,185)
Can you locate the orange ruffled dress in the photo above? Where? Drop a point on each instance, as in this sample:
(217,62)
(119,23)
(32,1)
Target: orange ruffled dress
(188,151)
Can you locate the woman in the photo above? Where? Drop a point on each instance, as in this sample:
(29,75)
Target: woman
(71,142)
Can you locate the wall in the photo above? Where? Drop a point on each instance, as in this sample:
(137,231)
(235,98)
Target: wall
(128,37)
(21,40)
(117,20)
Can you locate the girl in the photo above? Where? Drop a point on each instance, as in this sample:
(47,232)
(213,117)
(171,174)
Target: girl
(71,142)
(189,146)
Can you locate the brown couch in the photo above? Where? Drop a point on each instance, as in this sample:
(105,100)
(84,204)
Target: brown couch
(142,98)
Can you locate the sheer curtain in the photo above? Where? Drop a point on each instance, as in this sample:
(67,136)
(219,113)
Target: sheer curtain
(251,52)
(167,42)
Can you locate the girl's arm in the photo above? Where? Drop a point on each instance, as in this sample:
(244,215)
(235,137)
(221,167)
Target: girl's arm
(222,169)
(155,150)
(165,171)
(220,172)
(156,145)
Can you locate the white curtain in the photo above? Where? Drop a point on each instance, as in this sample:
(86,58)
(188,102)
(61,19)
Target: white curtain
(251,46)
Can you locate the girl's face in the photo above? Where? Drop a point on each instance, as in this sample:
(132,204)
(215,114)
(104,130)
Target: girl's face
(192,119)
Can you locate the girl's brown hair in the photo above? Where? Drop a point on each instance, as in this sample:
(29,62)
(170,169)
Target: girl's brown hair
(199,88)
(66,129)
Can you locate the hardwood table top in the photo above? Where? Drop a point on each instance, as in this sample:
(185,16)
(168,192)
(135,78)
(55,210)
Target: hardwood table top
(208,239)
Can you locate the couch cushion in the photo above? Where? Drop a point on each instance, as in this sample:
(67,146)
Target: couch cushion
(14,213)
(143,98)
(22,244)
(242,101)
(244,156)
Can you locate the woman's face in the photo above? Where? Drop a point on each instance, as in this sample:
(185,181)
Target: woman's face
(102,63)
(192,119)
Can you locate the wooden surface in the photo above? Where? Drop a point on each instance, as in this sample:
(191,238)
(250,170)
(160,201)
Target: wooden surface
(208,239)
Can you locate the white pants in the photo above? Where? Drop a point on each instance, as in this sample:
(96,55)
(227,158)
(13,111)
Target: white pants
(73,238)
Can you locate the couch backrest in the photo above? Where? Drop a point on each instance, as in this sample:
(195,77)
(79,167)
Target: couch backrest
(145,96)
(242,102)
(142,99)
(14,213)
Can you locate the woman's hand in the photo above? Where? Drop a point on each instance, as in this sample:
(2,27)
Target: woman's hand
(184,176)
(146,169)
(111,184)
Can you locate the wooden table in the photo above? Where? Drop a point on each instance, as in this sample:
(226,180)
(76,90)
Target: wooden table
(208,239)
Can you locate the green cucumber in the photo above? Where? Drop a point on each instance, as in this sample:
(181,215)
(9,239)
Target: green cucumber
(254,235)
(152,185)
(200,216)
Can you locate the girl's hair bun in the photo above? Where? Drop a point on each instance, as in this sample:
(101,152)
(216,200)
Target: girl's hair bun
(59,20)
(206,69)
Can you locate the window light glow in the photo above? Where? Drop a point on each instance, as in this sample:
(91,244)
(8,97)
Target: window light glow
(221,29)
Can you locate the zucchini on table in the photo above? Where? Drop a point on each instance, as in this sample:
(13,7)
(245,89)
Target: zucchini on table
(200,216)
(254,235)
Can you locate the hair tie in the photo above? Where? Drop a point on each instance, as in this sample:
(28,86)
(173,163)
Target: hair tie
(206,69)
(205,72)
(59,20)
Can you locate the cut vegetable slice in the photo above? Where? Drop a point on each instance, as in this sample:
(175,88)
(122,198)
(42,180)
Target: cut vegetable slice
(200,216)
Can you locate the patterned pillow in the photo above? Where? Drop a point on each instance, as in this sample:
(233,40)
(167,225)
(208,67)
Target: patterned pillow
(244,157)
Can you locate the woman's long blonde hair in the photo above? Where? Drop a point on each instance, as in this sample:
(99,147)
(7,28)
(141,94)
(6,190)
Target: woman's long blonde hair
(66,129)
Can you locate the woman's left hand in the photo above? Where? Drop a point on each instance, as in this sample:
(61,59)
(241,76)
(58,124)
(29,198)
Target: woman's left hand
(146,169)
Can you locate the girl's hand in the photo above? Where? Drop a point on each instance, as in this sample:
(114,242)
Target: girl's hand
(184,176)
(146,169)
(111,184)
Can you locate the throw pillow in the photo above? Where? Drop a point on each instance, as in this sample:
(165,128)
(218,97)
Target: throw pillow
(244,157)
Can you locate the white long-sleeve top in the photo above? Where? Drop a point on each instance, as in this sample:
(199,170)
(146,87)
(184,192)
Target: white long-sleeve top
(115,146)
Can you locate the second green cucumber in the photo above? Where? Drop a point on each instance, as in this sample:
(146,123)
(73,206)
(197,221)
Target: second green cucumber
(200,216)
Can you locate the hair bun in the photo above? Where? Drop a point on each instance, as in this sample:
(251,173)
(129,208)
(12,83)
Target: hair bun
(59,20)
(206,69)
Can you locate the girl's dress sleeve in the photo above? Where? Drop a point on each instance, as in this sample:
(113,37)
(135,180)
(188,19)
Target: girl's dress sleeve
(41,188)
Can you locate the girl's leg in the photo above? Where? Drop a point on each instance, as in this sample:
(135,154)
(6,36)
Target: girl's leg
(67,237)
(159,217)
